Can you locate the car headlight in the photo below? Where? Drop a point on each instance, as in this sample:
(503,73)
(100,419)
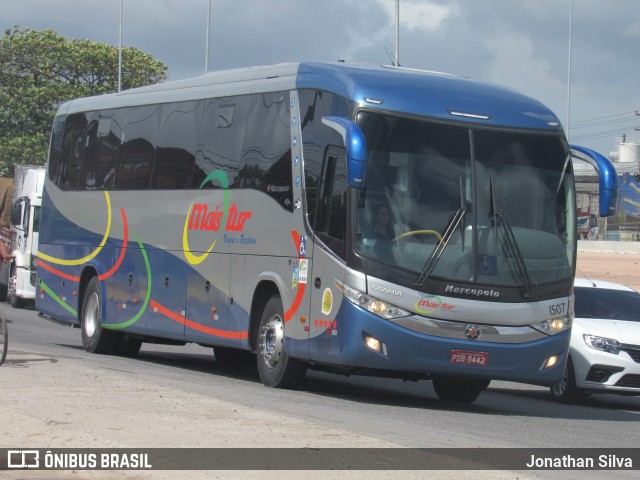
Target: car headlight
(554,325)
(378,307)
(608,345)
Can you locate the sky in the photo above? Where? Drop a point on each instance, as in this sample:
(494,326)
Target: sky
(523,44)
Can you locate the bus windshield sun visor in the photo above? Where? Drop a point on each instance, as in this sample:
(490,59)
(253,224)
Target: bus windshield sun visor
(356,148)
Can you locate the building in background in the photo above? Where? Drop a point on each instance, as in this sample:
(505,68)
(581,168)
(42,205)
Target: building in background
(625,225)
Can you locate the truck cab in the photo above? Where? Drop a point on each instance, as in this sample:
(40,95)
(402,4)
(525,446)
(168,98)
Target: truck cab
(25,226)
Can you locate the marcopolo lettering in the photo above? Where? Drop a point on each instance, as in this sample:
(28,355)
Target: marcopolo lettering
(473,292)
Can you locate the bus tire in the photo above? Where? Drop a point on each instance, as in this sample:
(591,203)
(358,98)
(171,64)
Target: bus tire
(566,391)
(458,390)
(275,367)
(128,347)
(96,339)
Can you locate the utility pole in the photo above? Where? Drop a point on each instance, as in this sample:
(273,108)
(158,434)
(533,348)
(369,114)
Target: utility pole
(120,52)
(397,33)
(206,50)
(569,73)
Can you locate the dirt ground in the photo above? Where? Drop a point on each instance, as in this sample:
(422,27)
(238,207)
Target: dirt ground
(614,267)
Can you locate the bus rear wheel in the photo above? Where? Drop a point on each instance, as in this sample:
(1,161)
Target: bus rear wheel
(96,339)
(275,367)
(458,390)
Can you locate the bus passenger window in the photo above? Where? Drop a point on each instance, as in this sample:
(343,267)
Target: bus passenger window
(220,140)
(138,148)
(177,145)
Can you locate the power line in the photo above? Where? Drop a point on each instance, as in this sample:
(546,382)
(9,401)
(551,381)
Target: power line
(604,122)
(596,119)
(608,133)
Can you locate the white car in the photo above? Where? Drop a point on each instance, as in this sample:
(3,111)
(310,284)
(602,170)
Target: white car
(604,354)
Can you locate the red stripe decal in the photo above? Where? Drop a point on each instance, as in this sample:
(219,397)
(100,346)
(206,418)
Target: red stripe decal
(111,271)
(288,315)
(55,271)
(125,241)
(196,326)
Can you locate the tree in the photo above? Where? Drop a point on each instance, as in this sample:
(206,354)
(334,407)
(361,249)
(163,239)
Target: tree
(40,70)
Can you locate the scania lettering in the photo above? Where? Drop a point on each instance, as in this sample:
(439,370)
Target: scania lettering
(303,212)
(388,290)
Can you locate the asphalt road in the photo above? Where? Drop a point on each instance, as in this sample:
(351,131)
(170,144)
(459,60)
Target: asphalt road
(48,377)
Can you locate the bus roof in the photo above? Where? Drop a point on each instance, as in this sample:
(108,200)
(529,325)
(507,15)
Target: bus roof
(416,92)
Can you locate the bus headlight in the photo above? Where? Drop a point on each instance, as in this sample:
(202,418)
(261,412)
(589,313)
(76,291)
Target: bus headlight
(376,306)
(554,325)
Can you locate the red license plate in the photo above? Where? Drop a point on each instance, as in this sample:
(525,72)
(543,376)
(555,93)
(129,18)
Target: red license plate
(480,359)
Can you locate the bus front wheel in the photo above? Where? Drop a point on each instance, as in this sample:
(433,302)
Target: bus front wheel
(565,390)
(458,390)
(275,367)
(95,339)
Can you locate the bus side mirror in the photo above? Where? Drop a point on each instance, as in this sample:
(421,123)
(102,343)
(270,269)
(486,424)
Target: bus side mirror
(608,178)
(355,146)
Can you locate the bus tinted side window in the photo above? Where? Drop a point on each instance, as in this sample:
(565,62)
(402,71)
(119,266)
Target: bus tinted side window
(331,219)
(69,168)
(177,145)
(316,136)
(138,147)
(266,152)
(220,144)
(100,151)
(56,162)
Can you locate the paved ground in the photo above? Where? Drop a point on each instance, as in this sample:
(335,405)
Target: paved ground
(615,267)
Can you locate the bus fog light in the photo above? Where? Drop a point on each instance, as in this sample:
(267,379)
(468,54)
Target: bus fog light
(550,362)
(376,345)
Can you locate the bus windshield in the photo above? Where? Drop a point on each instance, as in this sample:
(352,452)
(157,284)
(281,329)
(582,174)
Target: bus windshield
(466,204)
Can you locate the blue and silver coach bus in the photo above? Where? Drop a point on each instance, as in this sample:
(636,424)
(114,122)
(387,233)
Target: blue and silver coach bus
(357,220)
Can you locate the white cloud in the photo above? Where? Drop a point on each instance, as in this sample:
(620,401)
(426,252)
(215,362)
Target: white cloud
(515,63)
(420,14)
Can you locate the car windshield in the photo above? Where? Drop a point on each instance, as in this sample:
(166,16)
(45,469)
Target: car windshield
(607,304)
(450,202)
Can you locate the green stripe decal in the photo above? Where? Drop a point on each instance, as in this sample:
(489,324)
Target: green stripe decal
(58,300)
(128,323)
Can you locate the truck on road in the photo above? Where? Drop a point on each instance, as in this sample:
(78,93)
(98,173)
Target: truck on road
(18,277)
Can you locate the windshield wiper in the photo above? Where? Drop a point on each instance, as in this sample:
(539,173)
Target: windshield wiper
(499,218)
(456,220)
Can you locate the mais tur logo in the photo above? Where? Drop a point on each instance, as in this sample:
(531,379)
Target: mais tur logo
(432,303)
(203,218)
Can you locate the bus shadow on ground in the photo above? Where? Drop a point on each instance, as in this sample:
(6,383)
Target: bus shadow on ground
(525,401)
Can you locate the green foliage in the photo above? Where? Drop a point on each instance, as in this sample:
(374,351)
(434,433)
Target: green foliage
(40,70)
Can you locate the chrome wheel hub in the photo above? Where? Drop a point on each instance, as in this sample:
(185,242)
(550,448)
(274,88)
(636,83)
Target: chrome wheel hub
(271,341)
(91,321)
